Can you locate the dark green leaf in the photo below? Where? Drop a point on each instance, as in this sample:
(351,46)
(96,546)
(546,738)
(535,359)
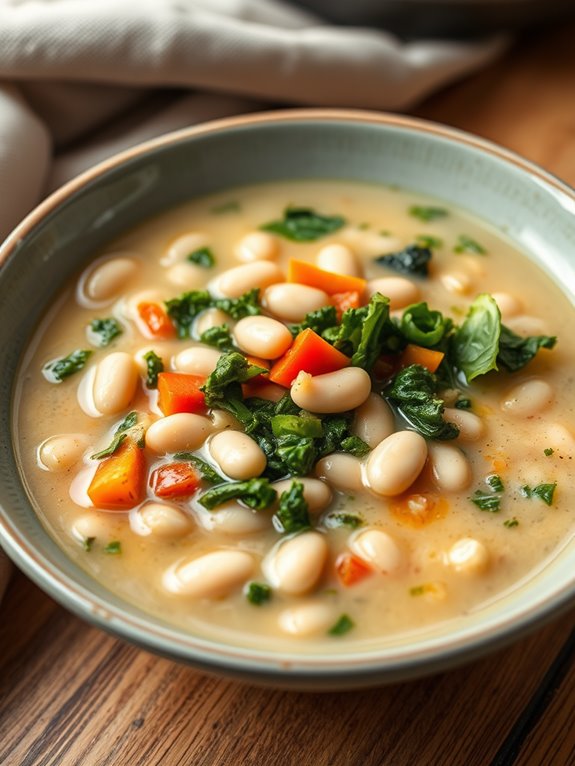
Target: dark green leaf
(103,331)
(59,369)
(463,404)
(342,626)
(258,593)
(303,424)
(318,321)
(428,213)
(369,347)
(202,257)
(486,501)
(183,310)
(87,543)
(292,512)
(424,327)
(120,434)
(113,548)
(495,482)
(426,240)
(208,473)
(224,382)
(255,493)
(355,446)
(335,430)
(544,492)
(302,224)
(154,366)
(298,454)
(247,305)
(476,343)
(548,451)
(413,260)
(466,244)
(515,352)
(344,520)
(220,337)
(510,523)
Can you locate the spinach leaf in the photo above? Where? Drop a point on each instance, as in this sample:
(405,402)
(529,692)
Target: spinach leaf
(59,369)
(427,213)
(362,332)
(302,224)
(350,520)
(202,257)
(220,337)
(414,260)
(413,390)
(183,310)
(114,548)
(544,492)
(424,327)
(318,321)
(495,482)
(476,343)
(426,240)
(208,473)
(154,366)
(486,501)
(297,454)
(292,513)
(303,424)
(224,382)
(466,244)
(247,305)
(102,332)
(255,493)
(343,625)
(355,446)
(515,352)
(258,593)
(120,434)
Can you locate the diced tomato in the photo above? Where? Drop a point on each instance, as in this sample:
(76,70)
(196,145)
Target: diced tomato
(119,481)
(309,353)
(180,392)
(156,320)
(174,480)
(351,569)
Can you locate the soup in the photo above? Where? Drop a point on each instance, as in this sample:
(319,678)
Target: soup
(304,414)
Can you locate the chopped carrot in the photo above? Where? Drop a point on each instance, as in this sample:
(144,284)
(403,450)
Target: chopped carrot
(119,481)
(309,353)
(156,320)
(345,301)
(418,509)
(263,377)
(351,570)
(426,357)
(332,283)
(180,392)
(175,480)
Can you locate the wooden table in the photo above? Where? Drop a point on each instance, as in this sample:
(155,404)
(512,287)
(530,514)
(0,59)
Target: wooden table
(70,694)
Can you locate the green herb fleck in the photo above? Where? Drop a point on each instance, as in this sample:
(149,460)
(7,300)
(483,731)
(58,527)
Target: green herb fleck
(202,257)
(342,626)
(101,332)
(208,473)
(302,224)
(293,510)
(466,244)
(510,523)
(119,435)
(426,240)
(463,404)
(495,482)
(59,369)
(544,492)
(350,520)
(548,451)
(255,493)
(427,213)
(87,543)
(258,593)
(486,501)
(113,548)
(417,590)
(154,366)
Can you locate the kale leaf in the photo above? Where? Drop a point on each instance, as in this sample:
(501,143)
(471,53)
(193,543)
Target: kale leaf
(202,257)
(413,260)
(59,369)
(302,224)
(247,305)
(183,310)
(220,337)
(154,366)
(424,327)
(255,493)
(515,352)
(293,511)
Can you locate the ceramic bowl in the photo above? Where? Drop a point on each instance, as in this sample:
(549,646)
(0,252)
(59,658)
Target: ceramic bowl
(533,208)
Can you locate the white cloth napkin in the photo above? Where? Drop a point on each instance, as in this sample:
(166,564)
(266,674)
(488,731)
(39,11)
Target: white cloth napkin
(83,79)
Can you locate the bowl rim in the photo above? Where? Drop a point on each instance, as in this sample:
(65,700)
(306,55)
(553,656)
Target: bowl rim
(210,654)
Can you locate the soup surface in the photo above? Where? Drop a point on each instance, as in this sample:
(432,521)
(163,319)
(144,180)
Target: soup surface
(304,413)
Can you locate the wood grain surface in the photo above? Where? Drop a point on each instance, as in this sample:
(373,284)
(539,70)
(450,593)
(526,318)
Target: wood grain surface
(70,694)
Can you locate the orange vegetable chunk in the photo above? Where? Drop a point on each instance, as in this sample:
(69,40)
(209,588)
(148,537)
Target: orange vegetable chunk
(351,570)
(119,481)
(180,392)
(175,480)
(426,357)
(345,301)
(156,320)
(307,274)
(309,353)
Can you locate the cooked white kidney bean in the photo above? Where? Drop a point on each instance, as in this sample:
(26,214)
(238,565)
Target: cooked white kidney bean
(471,426)
(115,383)
(291,302)
(373,421)
(457,282)
(379,549)
(307,619)
(509,305)
(396,463)
(235,282)
(98,525)
(560,438)
(234,519)
(179,432)
(186,275)
(162,520)
(109,278)
(211,318)
(223,421)
(317,494)
(400,291)
(61,452)
(468,556)
(237,454)
(339,259)
(528,398)
(257,246)
(197,360)
(262,336)
(183,246)
(212,575)
(270,391)
(337,391)
(296,565)
(341,470)
(451,468)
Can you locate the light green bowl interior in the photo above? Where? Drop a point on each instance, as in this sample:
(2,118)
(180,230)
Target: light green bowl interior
(530,207)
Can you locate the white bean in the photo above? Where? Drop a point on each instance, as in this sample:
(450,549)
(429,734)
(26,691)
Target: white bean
(560,438)
(291,302)
(527,325)
(400,291)
(197,360)
(234,519)
(341,470)
(456,282)
(396,463)
(212,575)
(237,454)
(235,282)
(509,305)
(296,565)
(379,549)
(58,453)
(339,259)
(451,469)
(471,426)
(183,246)
(100,526)
(528,398)
(115,383)
(257,246)
(211,318)
(317,494)
(224,421)
(186,275)
(468,556)
(162,520)
(262,336)
(109,278)
(307,619)
(270,391)
(337,391)
(373,421)
(177,433)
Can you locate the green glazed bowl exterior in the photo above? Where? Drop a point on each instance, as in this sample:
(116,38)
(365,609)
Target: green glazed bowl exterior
(529,205)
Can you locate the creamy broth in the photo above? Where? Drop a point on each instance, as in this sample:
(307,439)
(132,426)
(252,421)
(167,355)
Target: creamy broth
(426,579)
